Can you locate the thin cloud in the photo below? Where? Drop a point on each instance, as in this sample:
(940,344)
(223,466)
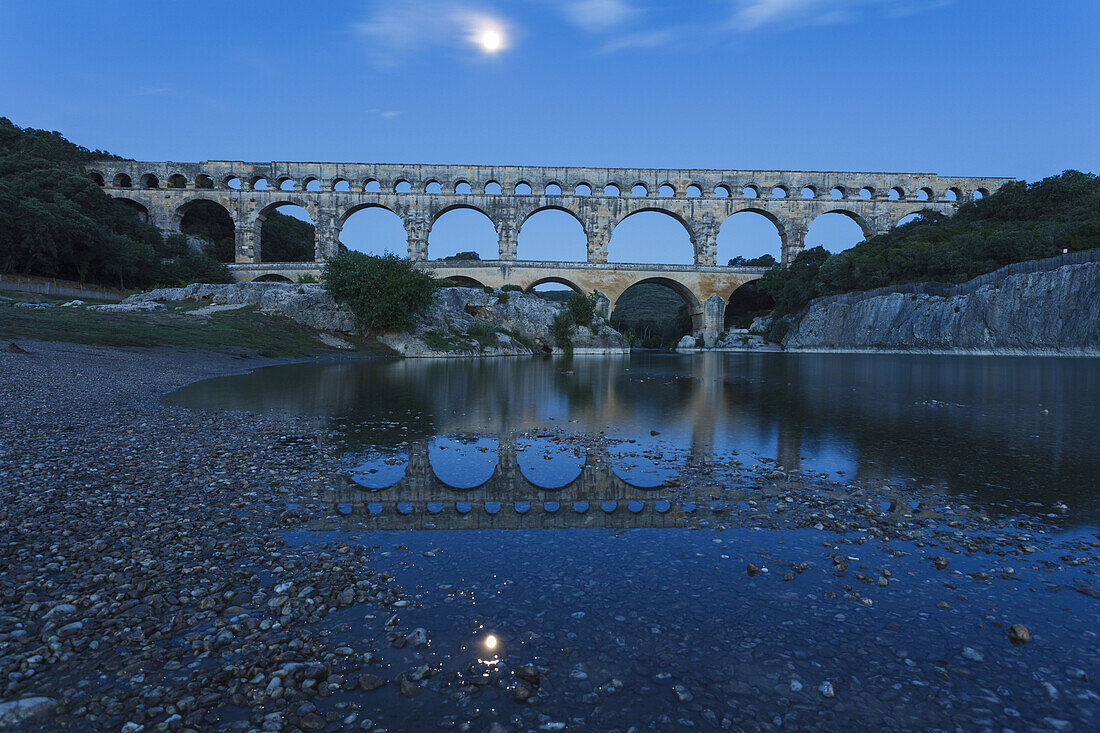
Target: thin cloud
(152,91)
(395,30)
(650,39)
(752,14)
(386,114)
(598,15)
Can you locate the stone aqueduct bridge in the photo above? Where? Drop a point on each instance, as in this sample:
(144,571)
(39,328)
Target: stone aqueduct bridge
(599,198)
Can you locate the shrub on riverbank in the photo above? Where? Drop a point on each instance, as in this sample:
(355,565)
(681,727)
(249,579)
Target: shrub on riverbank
(1019,222)
(384,292)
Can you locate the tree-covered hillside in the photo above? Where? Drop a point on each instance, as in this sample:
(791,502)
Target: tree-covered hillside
(55,222)
(653,313)
(1019,222)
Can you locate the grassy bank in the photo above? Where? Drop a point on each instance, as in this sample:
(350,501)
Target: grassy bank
(243,329)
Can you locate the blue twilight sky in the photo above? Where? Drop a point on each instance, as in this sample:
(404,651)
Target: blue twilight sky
(969,87)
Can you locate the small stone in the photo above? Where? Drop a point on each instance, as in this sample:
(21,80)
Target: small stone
(973,654)
(529,673)
(796,686)
(370,682)
(752,569)
(682,693)
(1018,634)
(408,687)
(417,637)
(826,689)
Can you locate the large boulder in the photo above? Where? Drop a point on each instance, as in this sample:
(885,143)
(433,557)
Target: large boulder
(455,310)
(308,304)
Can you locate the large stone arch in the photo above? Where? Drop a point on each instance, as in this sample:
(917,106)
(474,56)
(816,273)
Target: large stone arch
(866,226)
(434,215)
(780,224)
(465,280)
(572,285)
(140,208)
(181,210)
(705,314)
(342,219)
(647,206)
(522,219)
(694,303)
(255,223)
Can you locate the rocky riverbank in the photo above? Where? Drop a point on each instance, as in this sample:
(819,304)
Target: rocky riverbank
(459,322)
(1050,312)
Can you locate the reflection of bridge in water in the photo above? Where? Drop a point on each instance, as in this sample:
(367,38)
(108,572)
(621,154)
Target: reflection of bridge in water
(508,499)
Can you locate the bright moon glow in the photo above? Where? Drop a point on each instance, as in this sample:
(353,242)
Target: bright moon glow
(487,34)
(491,40)
(490,642)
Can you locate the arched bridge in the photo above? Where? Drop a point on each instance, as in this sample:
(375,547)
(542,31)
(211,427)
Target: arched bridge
(599,198)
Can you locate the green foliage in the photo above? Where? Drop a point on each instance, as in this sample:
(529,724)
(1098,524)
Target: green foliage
(484,333)
(45,145)
(526,341)
(1019,222)
(286,239)
(194,267)
(307,277)
(442,341)
(655,313)
(700,343)
(384,292)
(582,308)
(211,223)
(747,302)
(55,222)
(761,261)
(502,297)
(510,288)
(562,330)
(777,329)
(464,256)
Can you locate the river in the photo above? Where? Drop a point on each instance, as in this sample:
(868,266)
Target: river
(711,540)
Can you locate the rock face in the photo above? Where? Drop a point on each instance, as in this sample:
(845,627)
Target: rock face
(459,322)
(310,305)
(521,323)
(1056,311)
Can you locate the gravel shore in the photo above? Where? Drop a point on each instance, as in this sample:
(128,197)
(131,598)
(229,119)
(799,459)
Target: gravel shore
(144,580)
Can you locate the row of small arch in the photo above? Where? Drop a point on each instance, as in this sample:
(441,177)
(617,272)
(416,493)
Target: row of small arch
(608,506)
(523,188)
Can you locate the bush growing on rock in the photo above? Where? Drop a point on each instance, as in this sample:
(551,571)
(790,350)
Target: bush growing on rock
(562,330)
(581,308)
(384,292)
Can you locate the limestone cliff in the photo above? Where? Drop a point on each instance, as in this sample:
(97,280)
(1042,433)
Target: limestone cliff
(459,322)
(1055,311)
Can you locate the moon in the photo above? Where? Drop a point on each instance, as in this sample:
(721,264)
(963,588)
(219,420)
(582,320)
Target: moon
(490,40)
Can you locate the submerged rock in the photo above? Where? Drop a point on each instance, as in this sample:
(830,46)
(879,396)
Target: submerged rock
(14,712)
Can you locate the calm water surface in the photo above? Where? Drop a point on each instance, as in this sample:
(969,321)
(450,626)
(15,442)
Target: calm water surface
(533,500)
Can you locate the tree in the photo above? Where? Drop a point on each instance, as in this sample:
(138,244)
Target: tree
(383,292)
